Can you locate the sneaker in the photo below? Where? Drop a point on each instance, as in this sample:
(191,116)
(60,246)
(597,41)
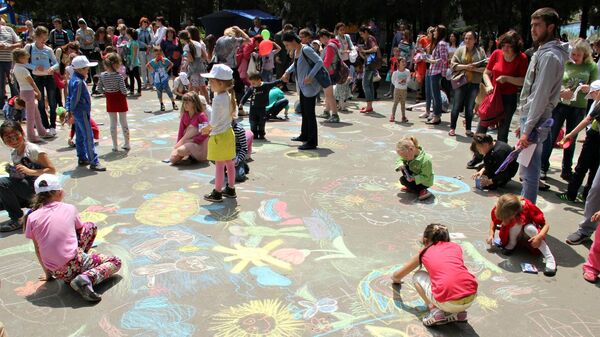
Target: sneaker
(566,176)
(590,277)
(564,197)
(406,189)
(325,115)
(84,288)
(10,225)
(83,162)
(126,147)
(214,196)
(435,317)
(162,107)
(549,271)
(423,115)
(333,119)
(48,135)
(460,317)
(97,167)
(175,107)
(576,238)
(424,194)
(543,175)
(52,131)
(229,192)
(474,162)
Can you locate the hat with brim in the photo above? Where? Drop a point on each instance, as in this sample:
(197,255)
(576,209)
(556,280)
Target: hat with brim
(47,183)
(81,61)
(220,72)
(594,86)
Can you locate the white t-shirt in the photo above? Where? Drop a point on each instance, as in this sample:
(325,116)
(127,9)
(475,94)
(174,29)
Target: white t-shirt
(200,46)
(400,79)
(21,73)
(220,116)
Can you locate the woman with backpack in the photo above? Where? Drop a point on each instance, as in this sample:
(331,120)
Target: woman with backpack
(333,62)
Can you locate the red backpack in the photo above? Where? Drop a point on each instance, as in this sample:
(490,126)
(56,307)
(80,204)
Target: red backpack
(491,109)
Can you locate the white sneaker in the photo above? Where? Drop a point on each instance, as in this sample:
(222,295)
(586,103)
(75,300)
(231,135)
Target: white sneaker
(52,132)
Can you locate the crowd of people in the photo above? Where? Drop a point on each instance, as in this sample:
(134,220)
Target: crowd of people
(216,77)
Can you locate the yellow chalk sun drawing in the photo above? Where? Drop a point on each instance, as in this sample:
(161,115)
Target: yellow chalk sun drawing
(265,318)
(258,256)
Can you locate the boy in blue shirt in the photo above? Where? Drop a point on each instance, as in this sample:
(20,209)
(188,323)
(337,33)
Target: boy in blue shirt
(79,104)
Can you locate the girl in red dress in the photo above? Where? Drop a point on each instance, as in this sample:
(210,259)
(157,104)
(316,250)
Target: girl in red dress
(113,86)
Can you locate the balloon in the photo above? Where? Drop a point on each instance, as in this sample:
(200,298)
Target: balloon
(60,111)
(265,47)
(265,34)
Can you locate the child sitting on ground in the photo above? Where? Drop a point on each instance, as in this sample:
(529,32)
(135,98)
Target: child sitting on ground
(67,118)
(160,67)
(519,218)
(258,94)
(62,242)
(181,85)
(591,268)
(191,144)
(13,109)
(400,82)
(416,167)
(494,153)
(447,287)
(277,102)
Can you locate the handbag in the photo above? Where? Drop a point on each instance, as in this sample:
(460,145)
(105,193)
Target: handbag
(459,81)
(412,82)
(491,109)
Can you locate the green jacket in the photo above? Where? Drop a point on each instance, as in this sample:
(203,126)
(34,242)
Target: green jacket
(421,168)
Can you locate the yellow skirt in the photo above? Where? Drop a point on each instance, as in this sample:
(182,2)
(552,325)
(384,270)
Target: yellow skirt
(222,146)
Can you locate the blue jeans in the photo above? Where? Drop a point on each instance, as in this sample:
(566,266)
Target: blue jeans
(434,89)
(560,114)
(84,141)
(47,82)
(428,98)
(367,84)
(464,98)
(531,174)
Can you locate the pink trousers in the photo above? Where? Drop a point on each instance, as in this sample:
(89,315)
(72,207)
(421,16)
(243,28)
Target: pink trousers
(592,265)
(34,120)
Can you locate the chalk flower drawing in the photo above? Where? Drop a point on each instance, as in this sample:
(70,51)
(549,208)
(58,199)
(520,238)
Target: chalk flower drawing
(325,305)
(258,256)
(265,318)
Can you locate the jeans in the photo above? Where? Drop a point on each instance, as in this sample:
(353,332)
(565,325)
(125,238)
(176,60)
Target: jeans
(560,114)
(84,142)
(14,194)
(5,68)
(266,75)
(308,130)
(531,174)
(464,98)
(428,98)
(434,89)
(277,107)
(588,161)
(134,74)
(592,205)
(47,82)
(367,84)
(145,72)
(510,106)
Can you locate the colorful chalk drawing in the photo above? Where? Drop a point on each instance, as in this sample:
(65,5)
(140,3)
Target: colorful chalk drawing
(167,209)
(190,264)
(161,316)
(257,256)
(265,318)
(131,167)
(449,186)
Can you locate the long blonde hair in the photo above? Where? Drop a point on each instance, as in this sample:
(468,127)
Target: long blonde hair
(582,46)
(231,92)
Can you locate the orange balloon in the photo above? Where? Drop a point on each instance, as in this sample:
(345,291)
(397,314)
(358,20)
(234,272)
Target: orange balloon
(265,47)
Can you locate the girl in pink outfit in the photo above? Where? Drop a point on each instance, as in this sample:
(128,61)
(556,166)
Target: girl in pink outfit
(191,144)
(62,242)
(591,268)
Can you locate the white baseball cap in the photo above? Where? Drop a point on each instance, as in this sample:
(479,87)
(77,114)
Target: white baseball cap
(183,77)
(220,72)
(594,86)
(82,62)
(46,183)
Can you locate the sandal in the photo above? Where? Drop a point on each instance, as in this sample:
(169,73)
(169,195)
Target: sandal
(590,277)
(404,120)
(451,132)
(392,120)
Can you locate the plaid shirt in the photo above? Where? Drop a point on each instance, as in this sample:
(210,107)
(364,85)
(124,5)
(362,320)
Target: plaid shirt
(439,53)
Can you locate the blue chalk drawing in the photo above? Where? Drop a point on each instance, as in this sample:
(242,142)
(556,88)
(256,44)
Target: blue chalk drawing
(159,142)
(125,211)
(265,276)
(267,210)
(149,196)
(458,186)
(162,317)
(204,219)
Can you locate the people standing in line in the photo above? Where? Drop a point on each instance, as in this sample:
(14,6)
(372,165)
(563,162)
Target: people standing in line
(58,37)
(8,41)
(467,71)
(309,88)
(540,94)
(369,51)
(580,72)
(438,65)
(145,37)
(43,64)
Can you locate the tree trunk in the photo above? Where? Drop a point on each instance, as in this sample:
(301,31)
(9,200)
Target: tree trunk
(525,22)
(585,15)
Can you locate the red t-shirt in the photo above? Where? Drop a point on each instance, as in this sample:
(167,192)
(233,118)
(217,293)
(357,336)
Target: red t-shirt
(499,66)
(450,279)
(530,214)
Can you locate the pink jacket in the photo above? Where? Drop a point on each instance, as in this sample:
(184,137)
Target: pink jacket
(330,54)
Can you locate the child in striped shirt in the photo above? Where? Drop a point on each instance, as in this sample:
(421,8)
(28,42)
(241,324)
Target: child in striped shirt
(113,86)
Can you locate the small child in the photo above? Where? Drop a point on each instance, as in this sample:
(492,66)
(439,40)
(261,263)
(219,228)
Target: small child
(62,242)
(80,105)
(519,218)
(67,118)
(29,92)
(160,67)
(181,85)
(400,82)
(268,63)
(191,144)
(591,268)
(221,144)
(394,62)
(258,94)
(113,86)
(13,109)
(241,152)
(494,154)
(277,102)
(447,287)
(416,167)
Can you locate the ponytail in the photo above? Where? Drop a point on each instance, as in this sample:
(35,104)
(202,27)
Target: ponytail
(233,101)
(37,202)
(433,234)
